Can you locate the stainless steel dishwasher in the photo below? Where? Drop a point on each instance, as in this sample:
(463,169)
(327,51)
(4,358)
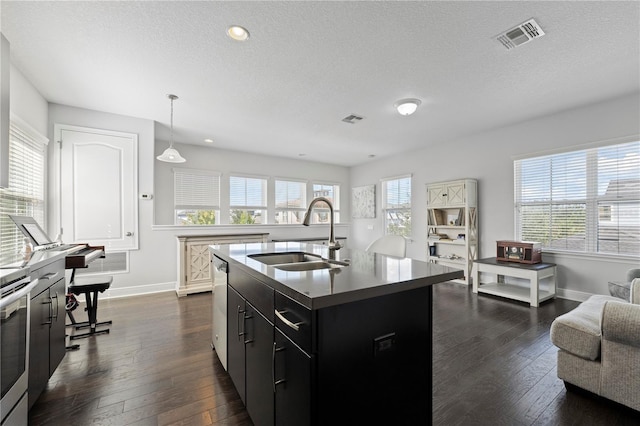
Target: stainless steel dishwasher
(219,327)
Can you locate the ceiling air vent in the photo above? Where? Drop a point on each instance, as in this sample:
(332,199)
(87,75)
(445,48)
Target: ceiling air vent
(521,34)
(352,119)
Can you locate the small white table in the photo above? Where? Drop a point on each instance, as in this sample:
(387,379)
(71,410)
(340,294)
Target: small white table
(532,272)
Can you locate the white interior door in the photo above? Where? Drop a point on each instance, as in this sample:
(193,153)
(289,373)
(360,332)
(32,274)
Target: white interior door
(99,188)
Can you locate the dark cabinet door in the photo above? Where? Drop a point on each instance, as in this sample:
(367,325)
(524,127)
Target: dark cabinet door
(235,340)
(41,313)
(259,367)
(57,341)
(293,383)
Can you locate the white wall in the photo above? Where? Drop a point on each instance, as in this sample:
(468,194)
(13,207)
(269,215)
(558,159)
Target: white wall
(27,103)
(488,157)
(144,274)
(227,162)
(154,266)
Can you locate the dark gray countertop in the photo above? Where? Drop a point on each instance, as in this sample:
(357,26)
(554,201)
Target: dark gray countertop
(368,275)
(280,240)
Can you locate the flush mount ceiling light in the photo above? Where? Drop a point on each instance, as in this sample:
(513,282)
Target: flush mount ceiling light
(171,155)
(238,33)
(407,106)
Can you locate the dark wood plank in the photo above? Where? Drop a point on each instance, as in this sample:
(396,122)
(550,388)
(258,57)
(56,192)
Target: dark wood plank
(493,365)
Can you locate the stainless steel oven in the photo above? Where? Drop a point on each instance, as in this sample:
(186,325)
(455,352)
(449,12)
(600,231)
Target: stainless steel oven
(14,349)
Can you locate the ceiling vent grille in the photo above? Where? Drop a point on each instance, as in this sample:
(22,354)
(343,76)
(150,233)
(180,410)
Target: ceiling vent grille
(352,119)
(521,34)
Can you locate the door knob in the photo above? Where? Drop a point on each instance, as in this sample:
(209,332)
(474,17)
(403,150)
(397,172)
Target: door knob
(128,234)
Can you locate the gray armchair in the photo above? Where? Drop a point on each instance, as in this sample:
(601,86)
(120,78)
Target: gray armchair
(599,347)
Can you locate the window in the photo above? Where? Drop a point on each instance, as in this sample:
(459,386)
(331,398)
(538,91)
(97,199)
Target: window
(585,201)
(247,200)
(396,205)
(321,212)
(25,194)
(291,201)
(197,197)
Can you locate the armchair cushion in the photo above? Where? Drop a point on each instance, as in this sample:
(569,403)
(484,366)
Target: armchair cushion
(621,323)
(635,291)
(578,331)
(620,376)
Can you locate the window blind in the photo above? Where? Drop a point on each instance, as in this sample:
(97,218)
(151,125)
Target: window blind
(321,212)
(25,194)
(290,194)
(247,192)
(581,201)
(290,201)
(196,189)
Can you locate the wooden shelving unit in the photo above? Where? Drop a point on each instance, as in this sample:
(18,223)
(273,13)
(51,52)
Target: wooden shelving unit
(452,218)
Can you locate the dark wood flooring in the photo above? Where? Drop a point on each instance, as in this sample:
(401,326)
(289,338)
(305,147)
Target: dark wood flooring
(493,365)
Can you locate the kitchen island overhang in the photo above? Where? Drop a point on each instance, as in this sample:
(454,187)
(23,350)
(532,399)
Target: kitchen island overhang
(344,345)
(368,274)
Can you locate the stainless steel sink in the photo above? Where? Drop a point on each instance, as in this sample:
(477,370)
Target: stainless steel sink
(287,257)
(296,261)
(306,266)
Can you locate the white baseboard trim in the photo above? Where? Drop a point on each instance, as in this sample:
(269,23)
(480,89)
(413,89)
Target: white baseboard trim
(113,293)
(578,296)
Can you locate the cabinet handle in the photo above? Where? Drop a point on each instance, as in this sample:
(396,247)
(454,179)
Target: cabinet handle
(273,367)
(55,317)
(244,327)
(49,276)
(50,321)
(240,333)
(295,326)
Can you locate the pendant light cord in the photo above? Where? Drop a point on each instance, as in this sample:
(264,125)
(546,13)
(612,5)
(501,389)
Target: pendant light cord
(172,97)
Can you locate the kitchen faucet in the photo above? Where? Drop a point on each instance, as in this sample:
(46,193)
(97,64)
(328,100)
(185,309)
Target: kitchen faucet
(333,244)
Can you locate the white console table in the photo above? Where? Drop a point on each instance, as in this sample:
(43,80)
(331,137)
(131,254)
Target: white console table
(194,261)
(532,272)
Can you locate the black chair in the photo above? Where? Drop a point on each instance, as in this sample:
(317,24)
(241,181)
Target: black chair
(90,287)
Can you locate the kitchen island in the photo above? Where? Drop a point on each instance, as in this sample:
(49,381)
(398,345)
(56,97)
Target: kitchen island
(324,338)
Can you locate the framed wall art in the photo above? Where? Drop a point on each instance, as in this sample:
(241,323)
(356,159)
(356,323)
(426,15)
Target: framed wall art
(363,202)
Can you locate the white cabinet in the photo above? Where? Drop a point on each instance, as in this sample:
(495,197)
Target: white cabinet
(194,259)
(452,217)
(447,194)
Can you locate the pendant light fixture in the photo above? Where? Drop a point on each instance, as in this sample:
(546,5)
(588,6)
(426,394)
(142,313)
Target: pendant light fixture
(171,155)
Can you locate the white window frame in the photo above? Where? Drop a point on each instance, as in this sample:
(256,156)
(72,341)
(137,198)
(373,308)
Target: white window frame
(26,185)
(591,198)
(247,207)
(198,191)
(391,207)
(318,209)
(291,210)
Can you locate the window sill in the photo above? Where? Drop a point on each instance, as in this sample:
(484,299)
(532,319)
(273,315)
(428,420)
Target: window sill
(593,256)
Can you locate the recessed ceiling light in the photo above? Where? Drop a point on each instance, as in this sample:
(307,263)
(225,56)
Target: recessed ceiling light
(407,106)
(208,140)
(238,33)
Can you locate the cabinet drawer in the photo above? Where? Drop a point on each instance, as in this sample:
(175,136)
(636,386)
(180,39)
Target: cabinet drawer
(48,275)
(294,320)
(255,291)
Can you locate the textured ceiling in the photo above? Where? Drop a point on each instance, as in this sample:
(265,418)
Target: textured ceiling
(309,64)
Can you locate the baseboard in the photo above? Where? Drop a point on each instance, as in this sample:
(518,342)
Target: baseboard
(113,293)
(578,296)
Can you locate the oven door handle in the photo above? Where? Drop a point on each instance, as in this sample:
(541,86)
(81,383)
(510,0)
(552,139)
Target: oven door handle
(6,301)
